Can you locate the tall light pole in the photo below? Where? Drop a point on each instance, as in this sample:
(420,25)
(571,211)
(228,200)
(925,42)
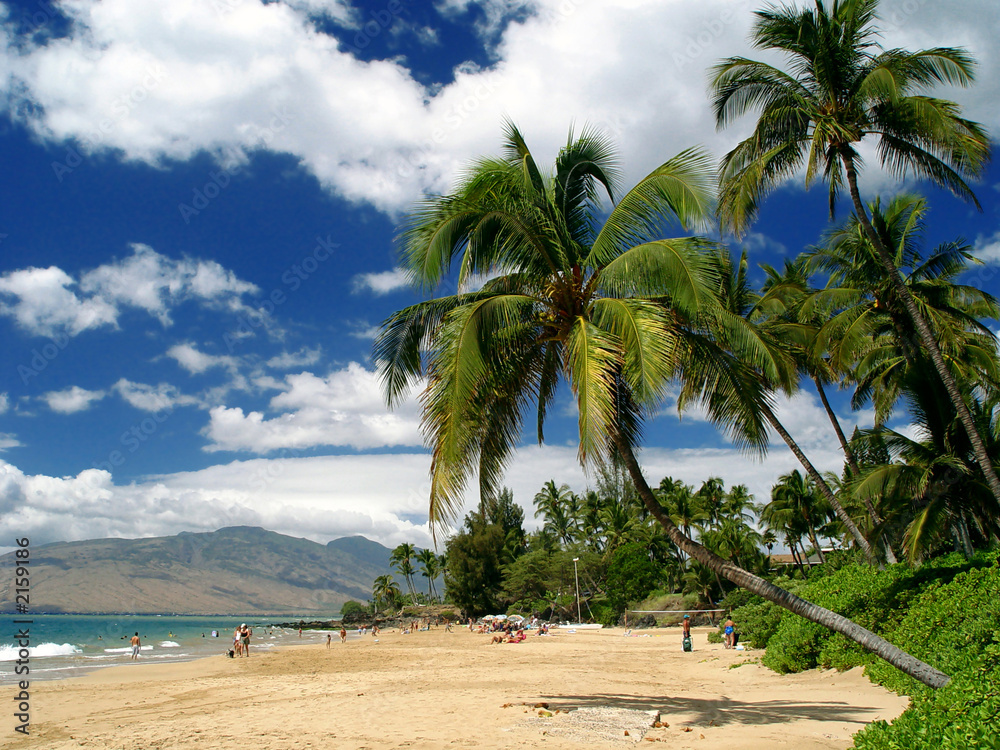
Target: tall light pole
(576,575)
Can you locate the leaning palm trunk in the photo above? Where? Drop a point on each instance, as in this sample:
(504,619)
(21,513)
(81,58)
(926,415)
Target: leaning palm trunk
(852,462)
(852,528)
(923,332)
(903,661)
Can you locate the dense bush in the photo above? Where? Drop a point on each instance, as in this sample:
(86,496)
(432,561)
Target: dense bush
(735,599)
(953,626)
(874,599)
(945,612)
(757,621)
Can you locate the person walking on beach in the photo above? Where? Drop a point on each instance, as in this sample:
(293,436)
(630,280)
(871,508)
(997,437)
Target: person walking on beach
(730,629)
(136,645)
(329,639)
(686,633)
(237,642)
(343,634)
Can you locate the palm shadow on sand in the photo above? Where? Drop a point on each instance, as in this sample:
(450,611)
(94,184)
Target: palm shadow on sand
(721,710)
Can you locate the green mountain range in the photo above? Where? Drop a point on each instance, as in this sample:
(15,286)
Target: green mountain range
(241,569)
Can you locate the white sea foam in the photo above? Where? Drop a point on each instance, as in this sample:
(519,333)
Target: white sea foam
(126,650)
(169,644)
(11,652)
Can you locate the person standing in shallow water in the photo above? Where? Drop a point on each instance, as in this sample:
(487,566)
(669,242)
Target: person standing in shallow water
(136,645)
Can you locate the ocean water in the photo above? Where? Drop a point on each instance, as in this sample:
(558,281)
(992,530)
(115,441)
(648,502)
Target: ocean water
(64,646)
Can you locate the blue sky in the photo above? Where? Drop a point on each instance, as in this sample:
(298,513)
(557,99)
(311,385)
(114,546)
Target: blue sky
(197,215)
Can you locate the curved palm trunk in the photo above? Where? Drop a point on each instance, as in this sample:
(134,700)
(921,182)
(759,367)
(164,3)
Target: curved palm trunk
(813,538)
(852,462)
(868,640)
(923,332)
(824,488)
(795,556)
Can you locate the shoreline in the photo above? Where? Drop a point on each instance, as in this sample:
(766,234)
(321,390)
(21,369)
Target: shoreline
(455,690)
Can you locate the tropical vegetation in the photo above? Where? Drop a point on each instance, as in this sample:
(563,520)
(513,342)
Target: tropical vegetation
(623,296)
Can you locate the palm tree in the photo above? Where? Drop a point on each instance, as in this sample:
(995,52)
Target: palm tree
(785,296)
(753,329)
(558,506)
(868,333)
(618,526)
(385,590)
(797,495)
(614,309)
(431,565)
(933,481)
(685,508)
(400,558)
(843,88)
(789,299)
(712,494)
(738,504)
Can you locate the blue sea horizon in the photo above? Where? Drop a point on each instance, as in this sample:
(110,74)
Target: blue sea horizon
(63,645)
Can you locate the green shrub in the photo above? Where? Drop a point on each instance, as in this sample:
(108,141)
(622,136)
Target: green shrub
(951,626)
(964,714)
(757,621)
(351,607)
(946,612)
(715,636)
(876,600)
(736,598)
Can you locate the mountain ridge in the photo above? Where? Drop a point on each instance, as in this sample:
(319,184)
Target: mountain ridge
(233,570)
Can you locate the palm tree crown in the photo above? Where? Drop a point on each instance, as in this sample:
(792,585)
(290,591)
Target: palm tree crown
(602,305)
(839,88)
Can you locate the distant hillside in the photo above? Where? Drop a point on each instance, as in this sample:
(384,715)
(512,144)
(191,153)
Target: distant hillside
(241,569)
(363,549)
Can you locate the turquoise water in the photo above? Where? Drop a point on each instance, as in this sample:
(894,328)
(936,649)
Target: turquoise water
(68,645)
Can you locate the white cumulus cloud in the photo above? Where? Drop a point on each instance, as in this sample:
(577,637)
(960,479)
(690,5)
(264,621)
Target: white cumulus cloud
(166,79)
(50,302)
(345,408)
(72,399)
(152,398)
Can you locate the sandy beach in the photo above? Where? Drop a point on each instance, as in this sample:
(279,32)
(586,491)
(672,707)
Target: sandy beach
(456,690)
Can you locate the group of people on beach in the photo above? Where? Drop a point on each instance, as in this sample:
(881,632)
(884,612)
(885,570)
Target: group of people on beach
(343,636)
(730,636)
(241,640)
